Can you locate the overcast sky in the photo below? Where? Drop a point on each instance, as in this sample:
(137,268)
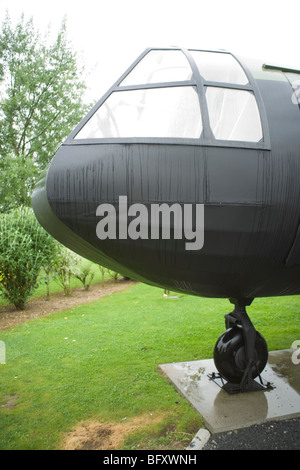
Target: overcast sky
(111,34)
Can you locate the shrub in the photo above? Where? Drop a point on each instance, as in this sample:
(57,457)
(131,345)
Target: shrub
(103,271)
(24,247)
(85,273)
(48,269)
(66,265)
(111,274)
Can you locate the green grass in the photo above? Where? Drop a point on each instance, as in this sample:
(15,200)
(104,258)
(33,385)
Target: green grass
(99,362)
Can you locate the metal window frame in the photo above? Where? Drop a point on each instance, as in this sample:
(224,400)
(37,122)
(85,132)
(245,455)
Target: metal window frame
(278,67)
(207,138)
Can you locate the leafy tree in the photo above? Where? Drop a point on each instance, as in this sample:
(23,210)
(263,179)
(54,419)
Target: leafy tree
(85,273)
(24,248)
(103,271)
(41,100)
(48,269)
(66,265)
(113,274)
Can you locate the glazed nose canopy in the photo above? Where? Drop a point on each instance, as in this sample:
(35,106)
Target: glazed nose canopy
(176,94)
(169,96)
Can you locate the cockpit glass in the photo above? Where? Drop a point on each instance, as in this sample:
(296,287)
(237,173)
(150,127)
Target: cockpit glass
(294,80)
(233,114)
(152,112)
(159,66)
(163,96)
(219,67)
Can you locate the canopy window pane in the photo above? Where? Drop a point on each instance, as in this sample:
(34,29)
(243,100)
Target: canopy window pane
(294,79)
(233,114)
(153,112)
(159,66)
(219,67)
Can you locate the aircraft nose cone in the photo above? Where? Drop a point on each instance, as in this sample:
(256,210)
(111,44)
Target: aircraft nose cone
(66,198)
(49,220)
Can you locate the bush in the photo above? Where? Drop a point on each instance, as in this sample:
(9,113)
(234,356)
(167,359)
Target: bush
(66,265)
(48,269)
(85,273)
(24,247)
(111,274)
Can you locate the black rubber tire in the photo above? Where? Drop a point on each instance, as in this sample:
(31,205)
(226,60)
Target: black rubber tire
(229,355)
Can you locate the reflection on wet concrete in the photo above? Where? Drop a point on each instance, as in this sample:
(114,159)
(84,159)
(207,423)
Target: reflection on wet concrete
(224,412)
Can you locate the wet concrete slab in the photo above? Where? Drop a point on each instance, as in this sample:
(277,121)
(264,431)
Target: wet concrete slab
(224,412)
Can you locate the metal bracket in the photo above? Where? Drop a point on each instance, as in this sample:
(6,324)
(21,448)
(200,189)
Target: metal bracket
(232,388)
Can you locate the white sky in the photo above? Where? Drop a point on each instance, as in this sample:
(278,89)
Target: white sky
(111,34)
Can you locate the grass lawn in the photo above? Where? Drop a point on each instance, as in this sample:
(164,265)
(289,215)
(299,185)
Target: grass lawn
(98,362)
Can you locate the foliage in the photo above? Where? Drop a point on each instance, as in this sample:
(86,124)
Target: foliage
(86,273)
(24,248)
(48,269)
(66,265)
(111,274)
(40,102)
(103,271)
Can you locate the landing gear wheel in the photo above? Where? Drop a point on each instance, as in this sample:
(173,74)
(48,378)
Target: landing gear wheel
(230,357)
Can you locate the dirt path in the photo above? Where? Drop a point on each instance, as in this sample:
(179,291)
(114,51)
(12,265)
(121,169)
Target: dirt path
(38,307)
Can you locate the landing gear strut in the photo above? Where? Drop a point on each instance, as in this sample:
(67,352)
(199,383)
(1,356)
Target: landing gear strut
(241,353)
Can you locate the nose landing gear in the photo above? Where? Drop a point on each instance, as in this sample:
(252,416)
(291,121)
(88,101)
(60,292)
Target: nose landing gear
(241,353)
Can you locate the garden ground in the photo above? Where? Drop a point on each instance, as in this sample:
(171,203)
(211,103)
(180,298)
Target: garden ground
(84,375)
(87,435)
(90,433)
(38,307)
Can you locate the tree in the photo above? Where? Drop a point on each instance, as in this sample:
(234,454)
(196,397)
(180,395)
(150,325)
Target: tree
(48,269)
(85,273)
(41,100)
(66,267)
(24,248)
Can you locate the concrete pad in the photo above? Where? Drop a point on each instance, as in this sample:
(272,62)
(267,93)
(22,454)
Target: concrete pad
(223,412)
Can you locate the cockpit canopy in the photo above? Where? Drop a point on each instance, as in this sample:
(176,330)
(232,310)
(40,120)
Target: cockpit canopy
(206,96)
